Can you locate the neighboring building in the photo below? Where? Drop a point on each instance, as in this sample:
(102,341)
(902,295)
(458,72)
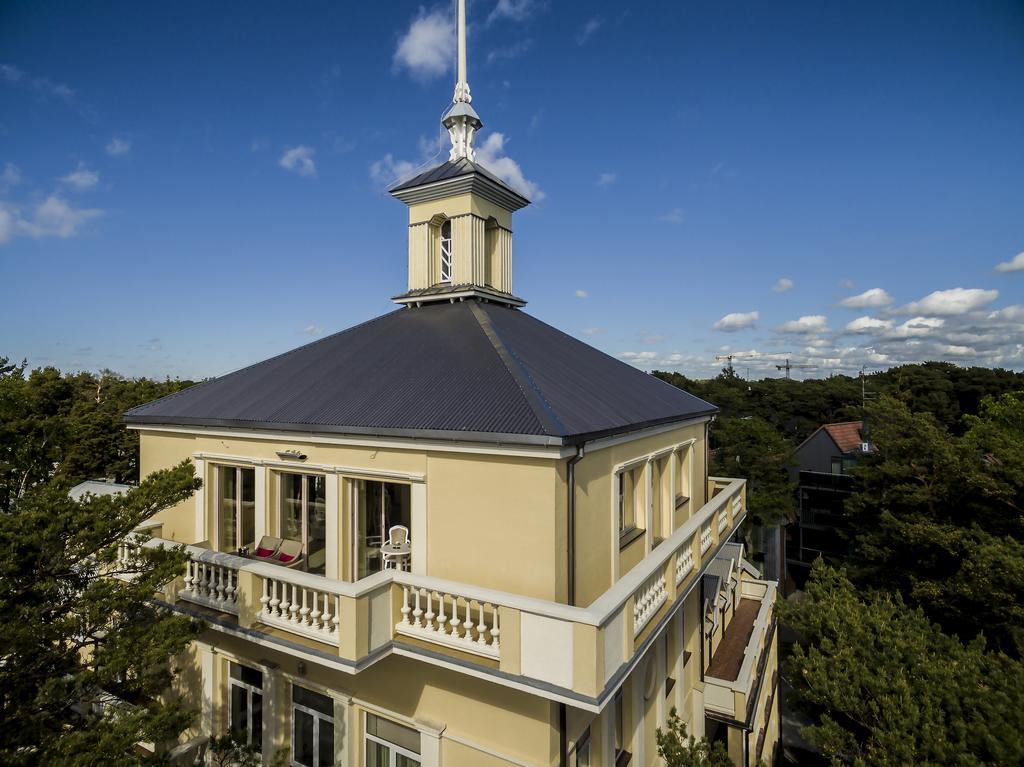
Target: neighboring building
(97,487)
(567,578)
(823,485)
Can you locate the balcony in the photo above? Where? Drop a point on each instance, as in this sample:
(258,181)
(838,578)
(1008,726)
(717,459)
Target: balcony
(570,654)
(731,681)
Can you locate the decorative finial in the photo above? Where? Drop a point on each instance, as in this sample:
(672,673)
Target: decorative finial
(461,119)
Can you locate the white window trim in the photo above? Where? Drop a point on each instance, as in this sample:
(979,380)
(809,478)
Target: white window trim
(395,748)
(319,717)
(238,466)
(250,690)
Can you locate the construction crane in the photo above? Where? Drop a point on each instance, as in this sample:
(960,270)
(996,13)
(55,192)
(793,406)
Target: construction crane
(791,365)
(736,356)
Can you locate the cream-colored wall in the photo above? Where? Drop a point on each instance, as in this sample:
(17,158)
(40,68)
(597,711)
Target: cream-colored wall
(460,205)
(492,718)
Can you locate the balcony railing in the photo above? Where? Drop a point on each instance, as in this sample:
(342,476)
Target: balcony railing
(732,698)
(572,651)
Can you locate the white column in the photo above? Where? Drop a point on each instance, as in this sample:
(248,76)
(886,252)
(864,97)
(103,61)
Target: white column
(207,669)
(418,534)
(200,533)
(331,499)
(430,742)
(262,510)
(345,731)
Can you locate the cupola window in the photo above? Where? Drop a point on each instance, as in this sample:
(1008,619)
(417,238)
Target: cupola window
(446,251)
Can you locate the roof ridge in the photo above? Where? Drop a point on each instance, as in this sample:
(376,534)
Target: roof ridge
(541,408)
(194,387)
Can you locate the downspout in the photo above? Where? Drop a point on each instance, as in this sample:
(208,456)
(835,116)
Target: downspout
(570,509)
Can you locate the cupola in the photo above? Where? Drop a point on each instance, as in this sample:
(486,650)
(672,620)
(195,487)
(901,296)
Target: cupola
(460,214)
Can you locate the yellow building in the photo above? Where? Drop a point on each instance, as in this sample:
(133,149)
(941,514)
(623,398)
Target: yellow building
(454,535)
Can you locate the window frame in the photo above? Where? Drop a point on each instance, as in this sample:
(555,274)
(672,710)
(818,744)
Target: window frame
(395,749)
(250,691)
(319,718)
(447,252)
(239,541)
(631,526)
(305,504)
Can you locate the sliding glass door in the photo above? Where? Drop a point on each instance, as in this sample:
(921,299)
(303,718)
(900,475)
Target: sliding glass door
(378,506)
(236,507)
(303,515)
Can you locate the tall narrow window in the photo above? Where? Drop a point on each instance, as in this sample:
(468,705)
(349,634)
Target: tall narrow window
(303,515)
(378,506)
(236,507)
(446,251)
(247,705)
(312,729)
(389,744)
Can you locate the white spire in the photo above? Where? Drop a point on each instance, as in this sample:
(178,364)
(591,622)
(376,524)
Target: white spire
(461,119)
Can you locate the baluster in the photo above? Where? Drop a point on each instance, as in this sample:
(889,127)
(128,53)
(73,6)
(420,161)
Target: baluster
(430,611)
(285,604)
(232,577)
(275,601)
(455,622)
(405,605)
(314,615)
(336,620)
(441,617)
(304,612)
(189,567)
(265,599)
(218,574)
(495,631)
(481,627)
(467,625)
(294,608)
(417,613)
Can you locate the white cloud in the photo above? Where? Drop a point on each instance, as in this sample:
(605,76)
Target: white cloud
(118,146)
(11,177)
(782,285)
(513,51)
(53,217)
(847,284)
(813,323)
(313,330)
(427,47)
(388,170)
(593,331)
(947,303)
(869,299)
(674,216)
(491,154)
(81,179)
(582,294)
(734,321)
(916,327)
(867,325)
(514,10)
(606,179)
(299,159)
(1015,264)
(588,29)
(41,86)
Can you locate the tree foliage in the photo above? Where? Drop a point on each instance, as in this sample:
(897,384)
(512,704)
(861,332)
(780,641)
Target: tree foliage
(78,624)
(681,750)
(885,686)
(68,426)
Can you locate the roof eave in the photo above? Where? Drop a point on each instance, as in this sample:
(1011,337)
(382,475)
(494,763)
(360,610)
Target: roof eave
(471,181)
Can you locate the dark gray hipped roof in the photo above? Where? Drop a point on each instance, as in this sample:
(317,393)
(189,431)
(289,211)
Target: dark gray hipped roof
(469,370)
(447,170)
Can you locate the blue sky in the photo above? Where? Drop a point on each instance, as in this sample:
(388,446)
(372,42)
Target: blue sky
(190,187)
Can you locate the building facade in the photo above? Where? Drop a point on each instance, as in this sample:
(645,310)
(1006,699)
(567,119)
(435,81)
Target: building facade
(454,535)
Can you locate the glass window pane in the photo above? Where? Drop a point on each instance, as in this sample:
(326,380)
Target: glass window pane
(377,754)
(326,743)
(248,516)
(313,700)
(257,720)
(291,506)
(226,508)
(385,729)
(316,509)
(239,709)
(302,738)
(369,510)
(248,675)
(401,760)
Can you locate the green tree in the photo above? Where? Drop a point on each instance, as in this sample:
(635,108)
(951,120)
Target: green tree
(752,449)
(886,687)
(78,623)
(681,750)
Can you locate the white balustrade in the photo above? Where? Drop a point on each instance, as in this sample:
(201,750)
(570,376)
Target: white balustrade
(648,600)
(211,585)
(684,561)
(300,609)
(706,538)
(723,521)
(448,619)
(737,506)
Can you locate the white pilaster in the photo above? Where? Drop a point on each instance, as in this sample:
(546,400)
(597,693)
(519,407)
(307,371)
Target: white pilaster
(262,510)
(207,668)
(273,710)
(418,534)
(331,499)
(636,732)
(430,742)
(201,534)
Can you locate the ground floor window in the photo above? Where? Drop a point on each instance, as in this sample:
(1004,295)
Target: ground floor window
(247,704)
(389,744)
(312,729)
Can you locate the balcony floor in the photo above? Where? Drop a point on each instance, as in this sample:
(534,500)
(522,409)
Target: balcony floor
(728,658)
